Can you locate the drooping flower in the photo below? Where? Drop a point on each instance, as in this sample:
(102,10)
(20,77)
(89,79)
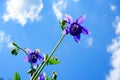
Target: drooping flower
(42,76)
(33,56)
(75,28)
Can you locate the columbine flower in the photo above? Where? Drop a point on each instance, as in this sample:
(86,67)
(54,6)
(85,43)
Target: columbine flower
(42,76)
(75,28)
(33,56)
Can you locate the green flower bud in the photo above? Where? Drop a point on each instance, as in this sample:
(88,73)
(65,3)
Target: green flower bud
(54,74)
(15,44)
(62,24)
(14,51)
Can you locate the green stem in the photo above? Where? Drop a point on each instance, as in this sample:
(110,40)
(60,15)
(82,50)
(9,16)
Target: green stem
(40,68)
(26,54)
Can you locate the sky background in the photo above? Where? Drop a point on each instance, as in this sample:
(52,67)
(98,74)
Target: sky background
(35,24)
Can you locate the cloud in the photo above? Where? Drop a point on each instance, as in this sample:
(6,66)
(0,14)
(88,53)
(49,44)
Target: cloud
(5,40)
(114,48)
(90,41)
(22,10)
(76,0)
(58,7)
(113,7)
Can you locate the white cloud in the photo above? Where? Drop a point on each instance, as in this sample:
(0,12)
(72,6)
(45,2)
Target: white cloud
(22,10)
(90,41)
(58,7)
(114,48)
(5,40)
(113,7)
(76,0)
(116,24)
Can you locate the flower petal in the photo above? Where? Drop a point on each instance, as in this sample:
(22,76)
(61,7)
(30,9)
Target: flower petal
(42,76)
(41,58)
(77,39)
(26,59)
(85,30)
(65,31)
(81,19)
(68,19)
(36,52)
(28,50)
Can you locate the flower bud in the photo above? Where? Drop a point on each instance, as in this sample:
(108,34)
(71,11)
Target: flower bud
(14,51)
(54,74)
(15,44)
(62,24)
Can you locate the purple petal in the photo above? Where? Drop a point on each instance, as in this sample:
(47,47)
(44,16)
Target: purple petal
(81,19)
(42,76)
(26,59)
(41,58)
(28,50)
(77,39)
(85,30)
(36,52)
(68,19)
(65,31)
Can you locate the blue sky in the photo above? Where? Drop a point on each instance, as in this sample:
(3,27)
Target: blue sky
(34,24)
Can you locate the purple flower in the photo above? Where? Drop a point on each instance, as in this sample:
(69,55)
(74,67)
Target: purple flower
(75,28)
(42,76)
(33,56)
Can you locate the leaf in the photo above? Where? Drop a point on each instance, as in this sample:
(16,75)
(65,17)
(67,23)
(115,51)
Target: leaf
(53,60)
(31,71)
(46,56)
(16,76)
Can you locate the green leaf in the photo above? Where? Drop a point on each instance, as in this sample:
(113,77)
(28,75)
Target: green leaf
(46,56)
(31,71)
(17,76)
(53,60)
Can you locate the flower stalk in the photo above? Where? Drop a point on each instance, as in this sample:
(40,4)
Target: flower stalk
(24,52)
(40,68)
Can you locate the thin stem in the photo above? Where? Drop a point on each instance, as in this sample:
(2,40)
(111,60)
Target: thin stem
(24,51)
(40,68)
(27,55)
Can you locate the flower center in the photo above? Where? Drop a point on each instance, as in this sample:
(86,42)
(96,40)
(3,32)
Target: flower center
(75,29)
(34,57)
